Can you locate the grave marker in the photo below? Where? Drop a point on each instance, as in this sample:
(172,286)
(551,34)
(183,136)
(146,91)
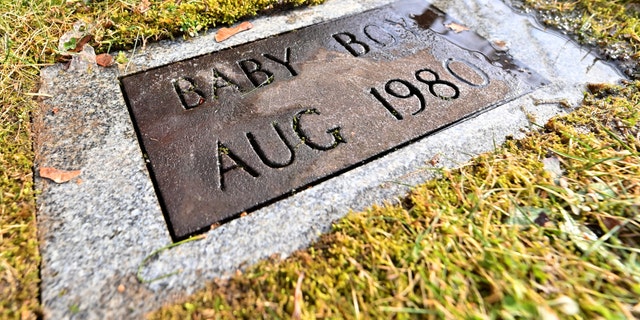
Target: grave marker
(234,130)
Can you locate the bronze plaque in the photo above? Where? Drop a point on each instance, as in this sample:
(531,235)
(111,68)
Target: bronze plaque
(231,131)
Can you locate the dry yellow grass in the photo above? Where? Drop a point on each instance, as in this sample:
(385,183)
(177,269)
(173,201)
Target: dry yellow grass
(456,250)
(502,237)
(29,33)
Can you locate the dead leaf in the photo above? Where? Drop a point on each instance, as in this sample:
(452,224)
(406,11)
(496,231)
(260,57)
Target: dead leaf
(435,160)
(80,43)
(226,33)
(457,28)
(500,44)
(297,298)
(142,7)
(610,222)
(208,313)
(105,60)
(108,23)
(58,176)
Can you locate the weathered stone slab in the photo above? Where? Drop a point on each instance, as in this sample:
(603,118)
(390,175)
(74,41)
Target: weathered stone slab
(228,132)
(96,231)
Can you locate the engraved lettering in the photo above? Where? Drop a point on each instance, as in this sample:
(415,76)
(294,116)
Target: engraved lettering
(335,132)
(285,62)
(224,151)
(386,104)
(258,76)
(411,91)
(402,24)
(379,35)
(355,47)
(437,81)
(450,64)
(262,155)
(189,94)
(378,81)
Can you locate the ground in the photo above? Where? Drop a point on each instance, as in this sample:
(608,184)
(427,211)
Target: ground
(546,226)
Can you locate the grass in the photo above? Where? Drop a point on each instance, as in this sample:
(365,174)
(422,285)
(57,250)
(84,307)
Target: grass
(544,227)
(501,237)
(29,33)
(19,258)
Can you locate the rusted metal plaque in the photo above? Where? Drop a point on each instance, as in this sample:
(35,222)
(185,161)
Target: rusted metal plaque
(231,131)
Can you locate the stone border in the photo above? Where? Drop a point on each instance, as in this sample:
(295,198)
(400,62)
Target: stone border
(96,230)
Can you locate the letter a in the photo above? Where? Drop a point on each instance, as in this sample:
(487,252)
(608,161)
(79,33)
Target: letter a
(237,164)
(189,94)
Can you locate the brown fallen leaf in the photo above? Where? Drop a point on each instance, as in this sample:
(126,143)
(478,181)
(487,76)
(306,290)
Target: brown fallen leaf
(208,313)
(58,176)
(63,58)
(435,160)
(105,60)
(80,43)
(610,222)
(226,33)
(457,28)
(500,44)
(142,7)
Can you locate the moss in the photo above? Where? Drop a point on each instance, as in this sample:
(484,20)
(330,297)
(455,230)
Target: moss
(449,252)
(19,257)
(454,252)
(118,25)
(29,39)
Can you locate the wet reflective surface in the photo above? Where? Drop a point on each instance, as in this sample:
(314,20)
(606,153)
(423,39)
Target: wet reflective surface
(232,131)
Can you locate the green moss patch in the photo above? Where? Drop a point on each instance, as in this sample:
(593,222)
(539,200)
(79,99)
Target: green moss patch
(545,227)
(29,33)
(115,25)
(505,236)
